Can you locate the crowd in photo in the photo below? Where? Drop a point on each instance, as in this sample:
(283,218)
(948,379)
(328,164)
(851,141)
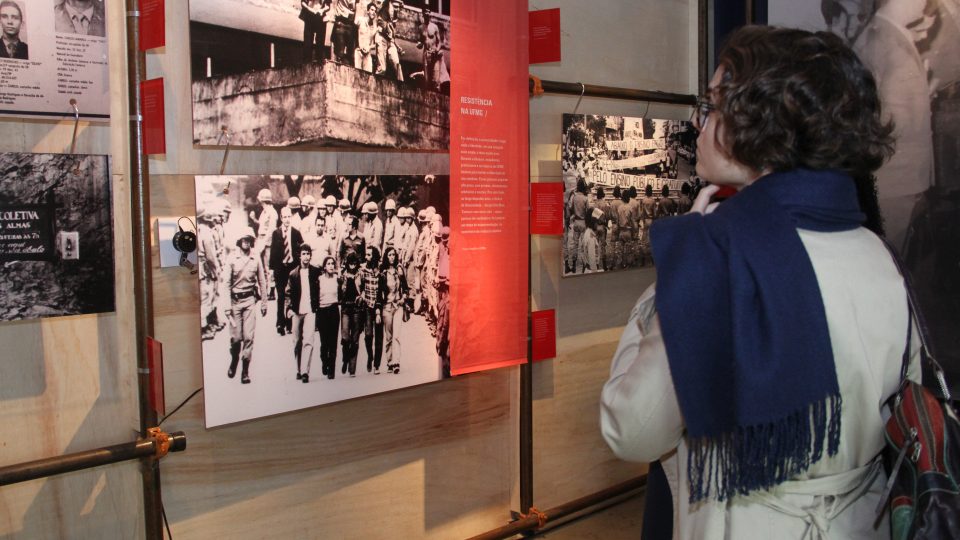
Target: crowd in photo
(364,34)
(330,272)
(608,208)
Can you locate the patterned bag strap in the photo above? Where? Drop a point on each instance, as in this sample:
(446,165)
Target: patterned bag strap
(923,331)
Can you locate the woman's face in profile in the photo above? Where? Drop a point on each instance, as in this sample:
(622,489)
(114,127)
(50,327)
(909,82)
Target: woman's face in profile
(714,162)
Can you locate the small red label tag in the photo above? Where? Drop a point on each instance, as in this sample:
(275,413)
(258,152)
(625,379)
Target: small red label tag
(545,36)
(546,208)
(154,128)
(544,325)
(152,24)
(155,363)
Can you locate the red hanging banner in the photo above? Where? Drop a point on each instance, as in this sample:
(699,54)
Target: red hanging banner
(489,167)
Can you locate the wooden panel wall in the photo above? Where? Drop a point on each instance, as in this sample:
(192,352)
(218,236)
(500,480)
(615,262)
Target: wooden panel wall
(436,461)
(69,384)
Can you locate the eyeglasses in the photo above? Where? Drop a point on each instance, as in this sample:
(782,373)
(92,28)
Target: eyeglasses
(701,113)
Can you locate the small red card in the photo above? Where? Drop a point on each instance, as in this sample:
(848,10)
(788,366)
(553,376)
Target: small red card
(544,325)
(152,24)
(546,208)
(154,129)
(545,36)
(155,363)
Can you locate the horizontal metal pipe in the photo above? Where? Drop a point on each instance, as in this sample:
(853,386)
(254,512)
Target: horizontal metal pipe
(106,455)
(593,90)
(532,522)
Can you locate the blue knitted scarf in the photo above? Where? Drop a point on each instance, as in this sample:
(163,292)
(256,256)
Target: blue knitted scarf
(746,333)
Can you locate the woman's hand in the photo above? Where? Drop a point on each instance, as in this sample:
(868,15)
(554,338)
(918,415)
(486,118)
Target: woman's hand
(702,204)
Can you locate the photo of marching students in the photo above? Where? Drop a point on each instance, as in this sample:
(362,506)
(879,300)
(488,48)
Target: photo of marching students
(360,73)
(619,175)
(315,289)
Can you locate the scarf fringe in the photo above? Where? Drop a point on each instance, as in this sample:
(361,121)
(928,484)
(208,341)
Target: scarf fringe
(758,457)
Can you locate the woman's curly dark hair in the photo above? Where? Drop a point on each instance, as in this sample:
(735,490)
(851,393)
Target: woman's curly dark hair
(796,99)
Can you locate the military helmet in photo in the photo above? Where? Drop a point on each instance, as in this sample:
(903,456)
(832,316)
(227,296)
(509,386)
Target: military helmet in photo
(370,208)
(247,232)
(265,196)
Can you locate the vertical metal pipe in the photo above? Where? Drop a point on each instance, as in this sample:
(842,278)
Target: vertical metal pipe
(526,396)
(142,271)
(526,433)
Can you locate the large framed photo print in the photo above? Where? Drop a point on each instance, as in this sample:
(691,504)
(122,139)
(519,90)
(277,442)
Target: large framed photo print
(621,174)
(321,72)
(315,289)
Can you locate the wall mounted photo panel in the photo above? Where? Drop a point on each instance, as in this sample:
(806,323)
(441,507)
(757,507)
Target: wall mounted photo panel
(620,175)
(315,289)
(56,236)
(54,51)
(280,73)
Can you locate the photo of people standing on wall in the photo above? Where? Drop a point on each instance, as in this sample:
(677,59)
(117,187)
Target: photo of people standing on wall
(360,73)
(315,289)
(619,175)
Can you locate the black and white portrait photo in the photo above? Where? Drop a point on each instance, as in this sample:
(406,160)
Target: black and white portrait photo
(342,73)
(84,17)
(619,175)
(315,289)
(13,33)
(56,236)
(912,47)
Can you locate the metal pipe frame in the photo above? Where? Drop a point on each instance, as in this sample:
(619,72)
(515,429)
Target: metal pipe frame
(42,468)
(537,523)
(593,90)
(526,437)
(142,270)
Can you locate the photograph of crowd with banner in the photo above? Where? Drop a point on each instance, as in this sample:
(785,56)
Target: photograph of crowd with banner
(619,175)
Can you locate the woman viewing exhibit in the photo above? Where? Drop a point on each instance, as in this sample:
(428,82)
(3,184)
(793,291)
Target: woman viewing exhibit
(756,367)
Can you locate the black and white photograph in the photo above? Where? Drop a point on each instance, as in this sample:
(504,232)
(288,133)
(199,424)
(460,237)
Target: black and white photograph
(315,289)
(912,47)
(619,175)
(83,17)
(56,236)
(334,73)
(12,31)
(53,55)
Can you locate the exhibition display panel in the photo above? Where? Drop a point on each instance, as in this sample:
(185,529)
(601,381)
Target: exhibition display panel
(443,291)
